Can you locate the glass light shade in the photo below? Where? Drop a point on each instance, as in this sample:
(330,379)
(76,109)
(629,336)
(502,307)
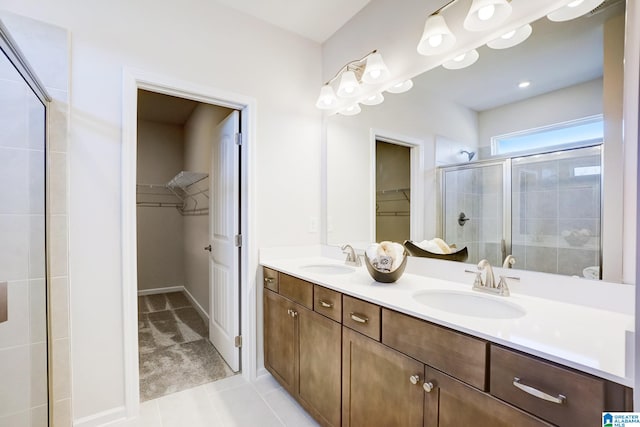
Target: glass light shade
(401,87)
(327,98)
(436,37)
(462,61)
(486,14)
(351,110)
(375,71)
(573,9)
(349,86)
(511,38)
(374,99)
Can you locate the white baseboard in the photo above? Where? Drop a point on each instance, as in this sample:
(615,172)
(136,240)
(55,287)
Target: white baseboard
(102,418)
(164,290)
(201,311)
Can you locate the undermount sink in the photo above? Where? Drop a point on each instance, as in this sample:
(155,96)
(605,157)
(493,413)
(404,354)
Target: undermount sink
(470,304)
(328,269)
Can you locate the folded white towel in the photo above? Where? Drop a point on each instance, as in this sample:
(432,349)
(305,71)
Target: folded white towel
(435,245)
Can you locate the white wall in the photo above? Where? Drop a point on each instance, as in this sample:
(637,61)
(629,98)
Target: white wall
(571,103)
(350,193)
(200,42)
(160,229)
(199,132)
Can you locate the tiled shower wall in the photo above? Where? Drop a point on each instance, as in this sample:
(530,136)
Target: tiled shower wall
(46,48)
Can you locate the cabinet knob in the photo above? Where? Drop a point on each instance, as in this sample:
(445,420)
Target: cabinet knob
(427,386)
(415,379)
(292,313)
(269,280)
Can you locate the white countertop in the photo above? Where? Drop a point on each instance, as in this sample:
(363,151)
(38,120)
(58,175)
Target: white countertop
(589,339)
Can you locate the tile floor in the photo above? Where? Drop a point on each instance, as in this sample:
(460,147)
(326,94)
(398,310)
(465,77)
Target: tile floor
(230,402)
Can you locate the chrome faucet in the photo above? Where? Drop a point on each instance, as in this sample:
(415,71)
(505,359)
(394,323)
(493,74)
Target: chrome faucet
(489,280)
(489,283)
(352,257)
(508,262)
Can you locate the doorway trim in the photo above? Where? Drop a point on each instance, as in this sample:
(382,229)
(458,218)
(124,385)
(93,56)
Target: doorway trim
(416,209)
(132,80)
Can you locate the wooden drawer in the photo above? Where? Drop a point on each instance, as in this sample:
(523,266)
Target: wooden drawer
(327,302)
(361,316)
(456,354)
(296,290)
(270,279)
(584,395)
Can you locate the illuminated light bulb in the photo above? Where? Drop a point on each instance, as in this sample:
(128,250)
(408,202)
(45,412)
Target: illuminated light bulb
(575,3)
(374,99)
(462,61)
(525,84)
(508,35)
(573,9)
(435,40)
(376,74)
(401,87)
(460,57)
(485,13)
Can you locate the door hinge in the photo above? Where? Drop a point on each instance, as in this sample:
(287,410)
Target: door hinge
(238,138)
(238,341)
(239,240)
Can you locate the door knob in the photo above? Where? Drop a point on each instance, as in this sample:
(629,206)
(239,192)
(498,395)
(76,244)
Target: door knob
(208,248)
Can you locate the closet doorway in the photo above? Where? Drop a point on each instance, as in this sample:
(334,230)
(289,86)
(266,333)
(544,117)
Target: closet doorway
(393,191)
(188,244)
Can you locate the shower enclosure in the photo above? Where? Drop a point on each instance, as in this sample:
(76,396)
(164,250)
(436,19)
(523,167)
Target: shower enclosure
(544,209)
(23,267)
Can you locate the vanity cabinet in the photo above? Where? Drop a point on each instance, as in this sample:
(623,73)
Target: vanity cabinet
(302,349)
(452,403)
(353,363)
(376,384)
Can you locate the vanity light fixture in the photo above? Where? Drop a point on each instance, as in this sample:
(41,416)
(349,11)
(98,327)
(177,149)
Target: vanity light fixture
(436,37)
(401,87)
(374,99)
(487,14)
(349,86)
(462,61)
(351,110)
(369,69)
(573,9)
(511,38)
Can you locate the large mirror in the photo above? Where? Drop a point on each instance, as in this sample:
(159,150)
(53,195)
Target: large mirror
(517,154)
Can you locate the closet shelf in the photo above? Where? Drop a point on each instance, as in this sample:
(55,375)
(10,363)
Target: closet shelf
(180,193)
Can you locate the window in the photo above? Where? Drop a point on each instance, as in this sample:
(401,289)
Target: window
(576,133)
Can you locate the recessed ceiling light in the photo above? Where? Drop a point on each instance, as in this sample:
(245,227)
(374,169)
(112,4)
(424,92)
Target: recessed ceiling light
(524,84)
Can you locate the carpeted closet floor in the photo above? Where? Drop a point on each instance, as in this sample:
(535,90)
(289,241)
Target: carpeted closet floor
(174,350)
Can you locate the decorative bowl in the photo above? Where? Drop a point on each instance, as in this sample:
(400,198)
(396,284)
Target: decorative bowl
(415,250)
(382,277)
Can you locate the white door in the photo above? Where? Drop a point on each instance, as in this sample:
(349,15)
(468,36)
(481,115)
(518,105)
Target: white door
(224,283)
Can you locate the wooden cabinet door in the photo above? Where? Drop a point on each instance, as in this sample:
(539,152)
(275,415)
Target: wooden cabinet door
(320,358)
(452,403)
(376,386)
(279,339)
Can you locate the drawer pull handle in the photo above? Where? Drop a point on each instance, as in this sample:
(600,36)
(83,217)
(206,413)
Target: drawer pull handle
(326,304)
(414,379)
(537,393)
(427,386)
(359,318)
(269,280)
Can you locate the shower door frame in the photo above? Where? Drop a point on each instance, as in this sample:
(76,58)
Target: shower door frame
(10,49)
(505,163)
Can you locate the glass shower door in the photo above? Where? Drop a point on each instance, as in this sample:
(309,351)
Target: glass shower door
(473,211)
(23,291)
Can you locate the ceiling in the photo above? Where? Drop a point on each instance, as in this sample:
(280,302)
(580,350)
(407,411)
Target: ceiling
(157,107)
(555,56)
(316,20)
